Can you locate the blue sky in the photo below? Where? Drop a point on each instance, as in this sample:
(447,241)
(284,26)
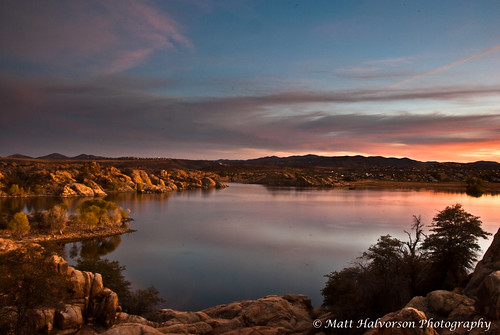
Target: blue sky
(244,79)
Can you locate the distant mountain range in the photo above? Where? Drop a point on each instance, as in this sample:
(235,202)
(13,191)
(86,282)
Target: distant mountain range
(335,161)
(57,156)
(274,161)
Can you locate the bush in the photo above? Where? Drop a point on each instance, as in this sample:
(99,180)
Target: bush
(475,187)
(15,190)
(55,218)
(100,212)
(19,224)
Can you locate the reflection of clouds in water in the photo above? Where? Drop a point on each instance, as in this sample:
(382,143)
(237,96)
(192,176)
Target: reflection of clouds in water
(245,241)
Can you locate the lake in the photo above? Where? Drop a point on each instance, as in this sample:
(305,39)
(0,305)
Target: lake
(203,248)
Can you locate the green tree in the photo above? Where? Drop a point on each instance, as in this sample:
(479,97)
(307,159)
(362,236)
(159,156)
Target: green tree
(100,212)
(453,246)
(19,224)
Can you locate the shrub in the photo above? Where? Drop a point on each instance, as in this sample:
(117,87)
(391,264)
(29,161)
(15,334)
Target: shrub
(100,212)
(55,218)
(15,190)
(19,224)
(475,187)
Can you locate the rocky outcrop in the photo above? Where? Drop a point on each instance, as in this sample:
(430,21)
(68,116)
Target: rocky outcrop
(289,314)
(77,189)
(291,178)
(88,300)
(444,305)
(91,179)
(408,321)
(490,263)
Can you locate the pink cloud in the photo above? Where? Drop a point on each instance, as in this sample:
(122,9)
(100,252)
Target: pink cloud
(91,36)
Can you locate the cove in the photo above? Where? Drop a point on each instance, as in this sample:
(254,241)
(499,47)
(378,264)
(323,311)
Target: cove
(204,248)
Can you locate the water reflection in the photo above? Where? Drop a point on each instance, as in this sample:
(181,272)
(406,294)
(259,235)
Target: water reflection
(92,250)
(206,248)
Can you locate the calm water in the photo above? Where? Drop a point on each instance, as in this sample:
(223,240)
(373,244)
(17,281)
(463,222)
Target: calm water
(205,248)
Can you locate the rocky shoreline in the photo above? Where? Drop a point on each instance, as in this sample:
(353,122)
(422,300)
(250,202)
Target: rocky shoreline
(91,179)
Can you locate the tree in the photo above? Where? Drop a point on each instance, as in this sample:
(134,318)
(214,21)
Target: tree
(475,187)
(413,258)
(19,224)
(16,191)
(55,218)
(378,283)
(28,281)
(100,212)
(142,302)
(453,246)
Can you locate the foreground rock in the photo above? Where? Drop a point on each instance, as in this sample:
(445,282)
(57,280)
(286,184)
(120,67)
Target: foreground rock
(289,314)
(88,301)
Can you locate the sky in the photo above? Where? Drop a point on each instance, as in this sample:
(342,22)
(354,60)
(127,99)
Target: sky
(212,79)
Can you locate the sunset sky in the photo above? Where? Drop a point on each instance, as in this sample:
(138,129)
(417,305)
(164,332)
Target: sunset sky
(244,79)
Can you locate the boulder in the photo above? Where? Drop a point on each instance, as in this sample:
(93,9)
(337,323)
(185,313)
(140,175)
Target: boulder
(97,285)
(98,191)
(69,318)
(488,295)
(490,263)
(444,302)
(140,177)
(62,177)
(42,320)
(259,330)
(410,320)
(291,312)
(82,190)
(444,305)
(130,318)
(7,245)
(167,315)
(132,329)
(67,191)
(208,183)
(104,307)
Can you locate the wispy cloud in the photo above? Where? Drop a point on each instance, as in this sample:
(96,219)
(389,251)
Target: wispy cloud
(376,69)
(446,67)
(86,36)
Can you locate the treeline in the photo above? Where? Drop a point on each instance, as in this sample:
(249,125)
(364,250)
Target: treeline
(90,214)
(386,276)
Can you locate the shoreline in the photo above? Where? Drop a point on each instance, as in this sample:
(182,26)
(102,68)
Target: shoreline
(9,243)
